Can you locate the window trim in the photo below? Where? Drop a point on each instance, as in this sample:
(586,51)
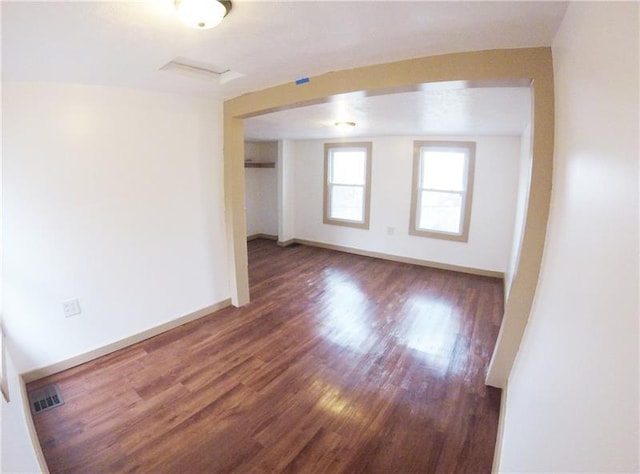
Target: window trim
(326,218)
(470,149)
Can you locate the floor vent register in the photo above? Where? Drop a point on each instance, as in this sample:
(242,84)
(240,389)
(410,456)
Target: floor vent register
(45,398)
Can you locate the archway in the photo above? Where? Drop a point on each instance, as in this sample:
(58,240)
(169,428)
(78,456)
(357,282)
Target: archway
(532,66)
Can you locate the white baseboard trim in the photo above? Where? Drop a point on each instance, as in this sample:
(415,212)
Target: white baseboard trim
(261,236)
(286,243)
(37,374)
(31,428)
(504,293)
(497,453)
(397,258)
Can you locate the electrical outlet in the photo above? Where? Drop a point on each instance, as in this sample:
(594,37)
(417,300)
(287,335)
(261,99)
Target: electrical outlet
(391,230)
(71,307)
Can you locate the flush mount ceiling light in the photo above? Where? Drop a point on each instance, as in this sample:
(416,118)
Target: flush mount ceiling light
(345,125)
(202,14)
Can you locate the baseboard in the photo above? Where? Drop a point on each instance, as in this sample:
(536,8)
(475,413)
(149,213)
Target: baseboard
(286,243)
(261,236)
(497,453)
(4,385)
(37,374)
(504,294)
(31,428)
(400,259)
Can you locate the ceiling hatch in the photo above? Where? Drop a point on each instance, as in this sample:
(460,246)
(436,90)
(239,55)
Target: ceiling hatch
(199,70)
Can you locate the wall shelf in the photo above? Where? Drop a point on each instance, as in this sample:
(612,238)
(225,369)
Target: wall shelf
(259,164)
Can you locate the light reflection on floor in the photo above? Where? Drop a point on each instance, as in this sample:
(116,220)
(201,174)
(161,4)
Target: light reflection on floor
(347,319)
(432,329)
(429,325)
(334,402)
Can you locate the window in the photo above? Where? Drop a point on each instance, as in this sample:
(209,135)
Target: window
(442,189)
(347,174)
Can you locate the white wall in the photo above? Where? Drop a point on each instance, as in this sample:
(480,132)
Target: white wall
(522,202)
(261,197)
(112,196)
(261,189)
(572,401)
(286,190)
(494,198)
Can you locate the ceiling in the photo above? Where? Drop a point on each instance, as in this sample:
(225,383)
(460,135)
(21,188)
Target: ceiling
(446,110)
(266,43)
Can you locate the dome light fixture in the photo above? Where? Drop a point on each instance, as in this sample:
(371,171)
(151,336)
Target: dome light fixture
(345,125)
(202,14)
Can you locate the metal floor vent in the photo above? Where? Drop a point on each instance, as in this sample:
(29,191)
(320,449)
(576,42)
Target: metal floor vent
(45,398)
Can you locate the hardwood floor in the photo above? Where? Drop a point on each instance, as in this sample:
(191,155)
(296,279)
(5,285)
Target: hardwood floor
(341,363)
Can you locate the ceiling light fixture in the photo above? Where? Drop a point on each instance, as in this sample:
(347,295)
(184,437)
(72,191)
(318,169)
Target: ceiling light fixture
(202,14)
(345,125)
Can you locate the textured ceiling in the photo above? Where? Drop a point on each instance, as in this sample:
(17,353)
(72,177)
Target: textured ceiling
(265,43)
(126,43)
(454,111)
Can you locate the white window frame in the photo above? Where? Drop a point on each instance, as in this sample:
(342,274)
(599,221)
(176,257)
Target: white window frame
(366,195)
(469,149)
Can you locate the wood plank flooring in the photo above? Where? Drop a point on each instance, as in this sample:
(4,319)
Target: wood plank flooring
(341,364)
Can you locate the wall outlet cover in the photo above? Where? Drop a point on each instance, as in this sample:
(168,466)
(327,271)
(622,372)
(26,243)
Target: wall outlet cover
(71,307)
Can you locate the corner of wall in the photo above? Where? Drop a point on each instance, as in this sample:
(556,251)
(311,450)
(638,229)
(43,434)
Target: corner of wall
(20,449)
